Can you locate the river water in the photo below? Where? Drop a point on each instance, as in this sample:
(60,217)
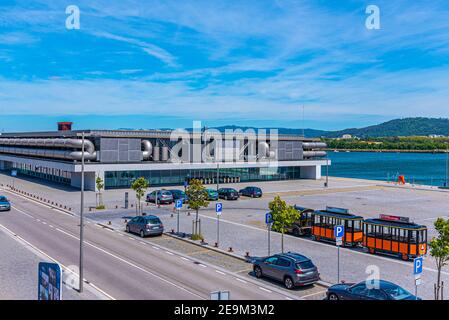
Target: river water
(419,168)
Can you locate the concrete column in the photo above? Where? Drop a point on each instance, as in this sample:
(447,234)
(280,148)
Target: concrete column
(89,180)
(312,172)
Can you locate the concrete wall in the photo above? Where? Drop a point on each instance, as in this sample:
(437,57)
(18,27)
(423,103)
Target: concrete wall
(312,172)
(89,180)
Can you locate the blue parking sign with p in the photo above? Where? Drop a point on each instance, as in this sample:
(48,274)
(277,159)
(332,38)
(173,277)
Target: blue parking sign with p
(268,218)
(417,266)
(339,231)
(218,208)
(178,204)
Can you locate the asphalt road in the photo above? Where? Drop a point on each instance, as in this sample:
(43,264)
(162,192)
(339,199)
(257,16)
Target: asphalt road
(123,266)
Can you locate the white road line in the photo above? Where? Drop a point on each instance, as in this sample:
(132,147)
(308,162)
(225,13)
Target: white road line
(121,235)
(142,242)
(202,265)
(133,265)
(219,272)
(243,281)
(185,259)
(168,252)
(56,261)
(50,226)
(130,238)
(155,248)
(288,298)
(313,294)
(266,290)
(44,222)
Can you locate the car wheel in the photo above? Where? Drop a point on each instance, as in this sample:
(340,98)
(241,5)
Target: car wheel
(142,234)
(226,197)
(127,229)
(333,296)
(296,232)
(288,283)
(258,272)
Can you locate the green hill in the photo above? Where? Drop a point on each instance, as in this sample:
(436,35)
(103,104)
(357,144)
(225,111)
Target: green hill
(399,127)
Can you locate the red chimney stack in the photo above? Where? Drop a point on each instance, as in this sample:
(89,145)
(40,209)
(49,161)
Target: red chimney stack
(65,126)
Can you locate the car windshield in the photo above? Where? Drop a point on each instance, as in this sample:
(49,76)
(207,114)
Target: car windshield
(152,220)
(166,193)
(396,292)
(3,199)
(305,265)
(257,189)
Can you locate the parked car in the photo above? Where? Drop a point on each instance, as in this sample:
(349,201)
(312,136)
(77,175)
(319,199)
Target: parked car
(383,290)
(4,204)
(212,194)
(179,194)
(163,197)
(228,194)
(293,269)
(253,192)
(145,226)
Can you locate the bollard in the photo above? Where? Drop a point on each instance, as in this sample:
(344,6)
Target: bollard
(247,254)
(216,245)
(188,213)
(230,249)
(70,209)
(171,216)
(109,222)
(126,220)
(116,206)
(172,231)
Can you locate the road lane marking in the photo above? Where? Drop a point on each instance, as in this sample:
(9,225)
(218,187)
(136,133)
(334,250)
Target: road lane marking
(219,272)
(133,265)
(56,261)
(202,265)
(142,242)
(314,294)
(243,281)
(185,259)
(156,248)
(266,290)
(167,252)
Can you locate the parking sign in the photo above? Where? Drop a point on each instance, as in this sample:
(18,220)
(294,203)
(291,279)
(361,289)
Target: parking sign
(14,173)
(178,204)
(268,218)
(417,266)
(218,208)
(339,231)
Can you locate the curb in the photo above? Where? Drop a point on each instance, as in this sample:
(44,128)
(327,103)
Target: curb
(41,202)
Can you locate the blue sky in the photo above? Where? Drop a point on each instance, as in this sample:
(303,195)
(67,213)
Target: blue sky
(150,64)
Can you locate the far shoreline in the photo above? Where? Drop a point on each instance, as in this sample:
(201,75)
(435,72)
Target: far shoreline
(386,151)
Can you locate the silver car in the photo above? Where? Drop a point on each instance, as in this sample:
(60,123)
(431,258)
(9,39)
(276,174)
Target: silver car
(145,226)
(293,269)
(163,197)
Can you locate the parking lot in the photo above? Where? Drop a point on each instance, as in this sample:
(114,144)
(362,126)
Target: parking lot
(242,224)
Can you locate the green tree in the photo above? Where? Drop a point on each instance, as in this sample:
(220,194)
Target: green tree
(283,216)
(100,186)
(198,197)
(439,250)
(140,186)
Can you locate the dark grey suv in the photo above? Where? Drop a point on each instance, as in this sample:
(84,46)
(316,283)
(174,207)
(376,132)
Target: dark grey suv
(293,269)
(145,226)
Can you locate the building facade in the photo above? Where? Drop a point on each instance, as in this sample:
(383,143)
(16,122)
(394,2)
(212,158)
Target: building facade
(163,157)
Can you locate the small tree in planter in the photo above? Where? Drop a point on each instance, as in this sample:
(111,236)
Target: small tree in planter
(198,199)
(439,249)
(100,186)
(283,216)
(140,186)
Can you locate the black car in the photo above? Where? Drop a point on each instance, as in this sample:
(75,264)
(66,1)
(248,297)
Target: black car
(365,290)
(228,194)
(253,192)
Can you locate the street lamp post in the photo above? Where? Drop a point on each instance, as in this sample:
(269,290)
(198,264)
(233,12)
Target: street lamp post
(327,170)
(218,176)
(447,164)
(81,219)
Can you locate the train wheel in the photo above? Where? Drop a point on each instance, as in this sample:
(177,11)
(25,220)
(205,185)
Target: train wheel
(371,250)
(404,257)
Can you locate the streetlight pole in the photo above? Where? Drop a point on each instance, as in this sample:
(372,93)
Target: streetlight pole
(447,164)
(327,170)
(81,219)
(218,176)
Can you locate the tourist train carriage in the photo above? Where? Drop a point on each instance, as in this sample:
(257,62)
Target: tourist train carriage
(395,235)
(324,221)
(303,225)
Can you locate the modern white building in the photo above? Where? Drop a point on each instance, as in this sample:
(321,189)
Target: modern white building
(162,157)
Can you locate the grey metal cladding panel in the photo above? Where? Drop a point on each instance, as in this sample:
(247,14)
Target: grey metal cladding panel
(134,144)
(123,156)
(135,156)
(108,144)
(109,156)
